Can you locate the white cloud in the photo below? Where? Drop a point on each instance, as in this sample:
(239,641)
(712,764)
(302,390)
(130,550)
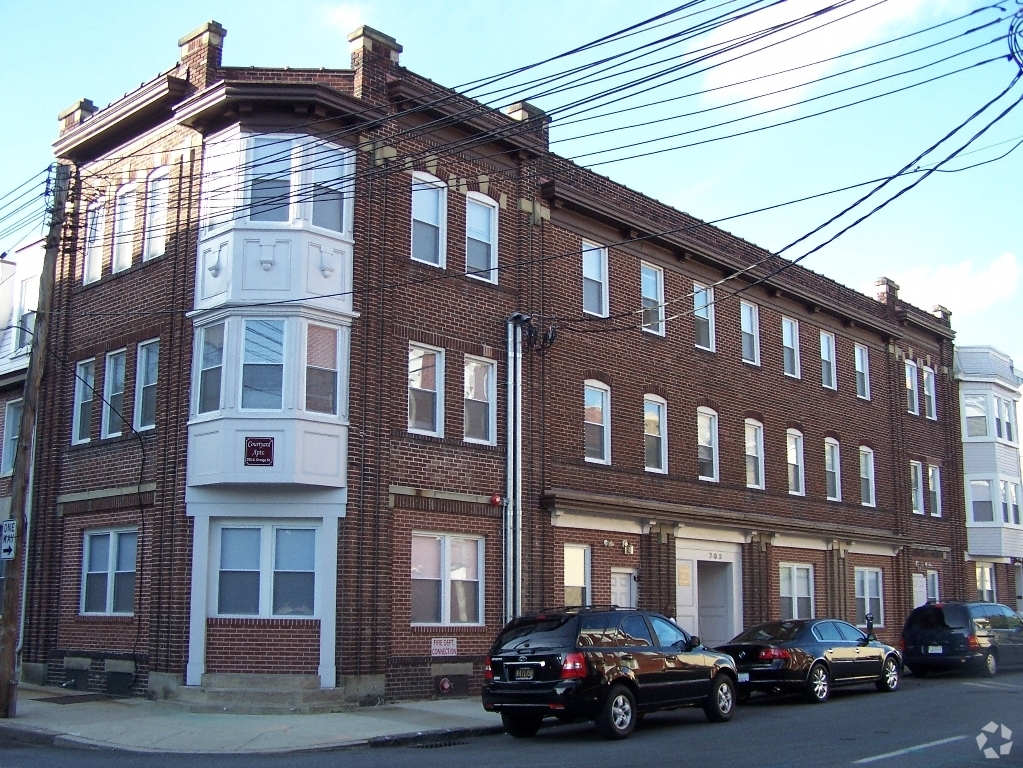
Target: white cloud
(344,17)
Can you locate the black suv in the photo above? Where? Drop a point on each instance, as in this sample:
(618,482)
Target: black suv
(983,636)
(608,665)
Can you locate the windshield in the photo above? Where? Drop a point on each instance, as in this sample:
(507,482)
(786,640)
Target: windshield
(938,617)
(774,631)
(538,632)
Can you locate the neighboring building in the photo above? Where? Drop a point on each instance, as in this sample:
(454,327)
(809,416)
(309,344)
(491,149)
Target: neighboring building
(989,388)
(306,319)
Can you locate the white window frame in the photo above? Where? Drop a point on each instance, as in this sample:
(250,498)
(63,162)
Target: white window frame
(28,297)
(439,391)
(933,587)
(606,412)
(916,487)
(861,355)
(912,388)
(990,586)
(221,186)
(713,416)
(111,571)
(95,231)
(868,454)
(658,328)
(758,432)
(491,275)
(199,370)
(792,568)
(930,395)
(491,398)
(140,384)
(1005,419)
(830,444)
(427,180)
(604,282)
(587,570)
(992,498)
(829,355)
(974,395)
(790,323)
(285,363)
(662,407)
(754,315)
(794,443)
(107,409)
(80,400)
(708,292)
(878,620)
(317,155)
(1014,503)
(154,244)
(11,436)
(124,229)
(250,175)
(934,489)
(338,353)
(445,579)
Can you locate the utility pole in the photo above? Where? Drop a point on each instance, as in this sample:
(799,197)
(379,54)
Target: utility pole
(10,622)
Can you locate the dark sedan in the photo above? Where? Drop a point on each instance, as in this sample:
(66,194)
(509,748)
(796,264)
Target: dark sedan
(812,656)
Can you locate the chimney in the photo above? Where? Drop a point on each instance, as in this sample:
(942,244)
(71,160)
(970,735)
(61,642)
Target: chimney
(76,114)
(201,52)
(943,314)
(537,119)
(887,290)
(373,55)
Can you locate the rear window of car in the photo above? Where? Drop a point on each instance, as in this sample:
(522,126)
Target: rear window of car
(938,617)
(775,630)
(538,632)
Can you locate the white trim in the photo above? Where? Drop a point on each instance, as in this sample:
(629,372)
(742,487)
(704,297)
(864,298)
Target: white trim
(934,512)
(198,607)
(759,446)
(800,463)
(124,230)
(489,202)
(833,360)
(658,329)
(284,321)
(79,400)
(587,570)
(662,407)
(709,306)
(830,442)
(868,452)
(277,140)
(914,406)
(105,426)
(606,415)
(426,180)
(880,593)
(303,375)
(7,460)
(755,331)
(786,321)
(989,433)
(95,231)
(701,411)
(916,487)
(587,247)
(197,361)
(439,381)
(491,399)
(794,597)
(140,382)
(932,391)
(160,174)
(445,578)
(866,369)
(112,552)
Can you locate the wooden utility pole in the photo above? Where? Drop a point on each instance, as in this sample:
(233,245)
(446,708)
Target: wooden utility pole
(10,622)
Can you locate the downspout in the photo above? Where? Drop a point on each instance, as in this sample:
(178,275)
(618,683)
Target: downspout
(509,474)
(518,466)
(24,560)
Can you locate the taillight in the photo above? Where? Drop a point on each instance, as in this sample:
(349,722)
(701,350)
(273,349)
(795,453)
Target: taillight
(488,671)
(770,654)
(902,644)
(574,666)
(972,642)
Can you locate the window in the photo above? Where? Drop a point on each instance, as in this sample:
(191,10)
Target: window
(211,365)
(145,384)
(829,376)
(934,489)
(933,593)
(980,497)
(12,425)
(796,592)
(481,238)
(425,390)
(1004,422)
(446,579)
(124,227)
(330,168)
(1014,500)
(429,220)
(157,195)
(912,404)
(930,401)
(749,320)
(790,346)
(594,280)
(85,380)
(985,582)
(266,569)
(220,185)
(270,179)
(263,365)
(707,444)
(1006,512)
(94,223)
(108,572)
(916,480)
(794,453)
(321,367)
(113,395)
(754,454)
(832,470)
(27,319)
(862,372)
(577,575)
(655,433)
(868,596)
(652,288)
(480,401)
(703,316)
(597,422)
(975,408)
(867,497)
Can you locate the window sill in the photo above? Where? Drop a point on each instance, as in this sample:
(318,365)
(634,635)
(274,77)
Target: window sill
(602,462)
(708,479)
(705,349)
(837,501)
(106,618)
(794,376)
(864,399)
(659,334)
(441,265)
(751,362)
(756,488)
(653,471)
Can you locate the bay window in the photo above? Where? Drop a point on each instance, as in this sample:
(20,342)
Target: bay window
(269,185)
(981,502)
(321,369)
(211,367)
(263,365)
(975,410)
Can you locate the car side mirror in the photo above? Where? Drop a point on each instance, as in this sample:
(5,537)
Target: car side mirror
(694,642)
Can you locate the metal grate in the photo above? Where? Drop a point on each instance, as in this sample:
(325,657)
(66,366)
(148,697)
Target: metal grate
(439,744)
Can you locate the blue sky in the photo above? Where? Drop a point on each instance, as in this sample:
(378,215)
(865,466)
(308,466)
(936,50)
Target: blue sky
(956,239)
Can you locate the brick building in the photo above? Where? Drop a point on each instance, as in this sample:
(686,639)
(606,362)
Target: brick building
(314,424)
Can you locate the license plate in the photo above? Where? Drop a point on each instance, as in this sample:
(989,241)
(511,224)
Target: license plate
(935,649)
(524,673)
(744,677)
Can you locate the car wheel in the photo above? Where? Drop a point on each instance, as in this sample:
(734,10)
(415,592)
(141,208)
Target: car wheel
(889,676)
(818,684)
(990,668)
(617,718)
(520,725)
(721,703)
(920,671)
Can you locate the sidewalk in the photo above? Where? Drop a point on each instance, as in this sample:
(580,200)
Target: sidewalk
(139,725)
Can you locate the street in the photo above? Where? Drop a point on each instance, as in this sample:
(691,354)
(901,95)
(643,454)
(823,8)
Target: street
(928,722)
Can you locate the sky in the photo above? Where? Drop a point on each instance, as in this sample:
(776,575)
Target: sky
(956,239)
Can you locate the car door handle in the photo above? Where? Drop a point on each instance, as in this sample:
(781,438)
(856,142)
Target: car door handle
(628,657)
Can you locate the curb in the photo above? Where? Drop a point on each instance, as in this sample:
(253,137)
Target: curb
(434,737)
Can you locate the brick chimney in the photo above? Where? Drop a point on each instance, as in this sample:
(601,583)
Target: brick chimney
(944,314)
(534,116)
(374,55)
(887,290)
(201,52)
(75,115)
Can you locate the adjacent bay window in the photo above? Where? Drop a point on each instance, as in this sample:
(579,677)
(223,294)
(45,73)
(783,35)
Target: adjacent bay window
(916,484)
(108,572)
(794,454)
(577,575)
(480,400)
(1005,422)
(707,444)
(829,374)
(796,584)
(146,370)
(124,227)
(832,470)
(930,400)
(330,185)
(211,367)
(595,284)
(263,365)
(113,395)
(157,197)
(1010,502)
(749,321)
(266,569)
(12,426)
(425,390)
(446,579)
(934,489)
(95,216)
(597,422)
(912,401)
(981,502)
(481,237)
(85,381)
(429,220)
(867,491)
(754,442)
(862,372)
(321,369)
(1006,512)
(655,433)
(652,289)
(975,411)
(269,185)
(703,316)
(790,346)
(868,596)
(27,313)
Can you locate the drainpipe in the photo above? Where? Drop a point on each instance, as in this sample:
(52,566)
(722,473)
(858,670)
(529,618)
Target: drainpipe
(509,546)
(518,466)
(24,561)
(513,505)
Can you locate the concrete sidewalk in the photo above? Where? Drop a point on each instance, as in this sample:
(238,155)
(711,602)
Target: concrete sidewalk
(139,725)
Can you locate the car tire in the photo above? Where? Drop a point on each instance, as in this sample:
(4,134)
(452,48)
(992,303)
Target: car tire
(989,667)
(920,671)
(818,684)
(720,704)
(618,716)
(889,681)
(520,725)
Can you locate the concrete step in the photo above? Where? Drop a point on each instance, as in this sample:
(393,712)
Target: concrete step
(259,695)
(261,682)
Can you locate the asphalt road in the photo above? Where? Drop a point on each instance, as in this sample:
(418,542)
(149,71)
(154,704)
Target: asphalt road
(932,722)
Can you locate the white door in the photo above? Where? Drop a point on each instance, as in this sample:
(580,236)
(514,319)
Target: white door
(623,588)
(714,583)
(919,589)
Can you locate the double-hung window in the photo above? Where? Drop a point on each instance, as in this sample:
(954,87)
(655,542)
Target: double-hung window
(867,492)
(265,569)
(108,572)
(270,179)
(480,401)
(85,381)
(655,434)
(146,369)
(985,582)
(1014,502)
(794,454)
(157,196)
(790,346)
(94,224)
(829,374)
(595,283)
(429,220)
(934,489)
(330,185)
(930,400)
(707,444)
(754,443)
(933,593)
(832,470)
(1005,427)
(321,369)
(425,390)
(124,227)
(27,314)
(652,289)
(597,422)
(975,410)
(916,484)
(703,316)
(446,574)
(912,401)
(749,322)
(577,575)
(113,395)
(481,237)
(263,365)
(981,502)
(862,372)
(12,426)
(796,587)
(211,367)
(868,596)
(1006,513)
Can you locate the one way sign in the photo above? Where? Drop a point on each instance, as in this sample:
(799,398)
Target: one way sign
(7,543)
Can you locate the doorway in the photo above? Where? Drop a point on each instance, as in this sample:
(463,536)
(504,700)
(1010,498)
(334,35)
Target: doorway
(714,585)
(624,593)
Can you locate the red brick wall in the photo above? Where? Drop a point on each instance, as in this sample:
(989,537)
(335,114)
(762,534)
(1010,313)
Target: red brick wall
(263,646)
